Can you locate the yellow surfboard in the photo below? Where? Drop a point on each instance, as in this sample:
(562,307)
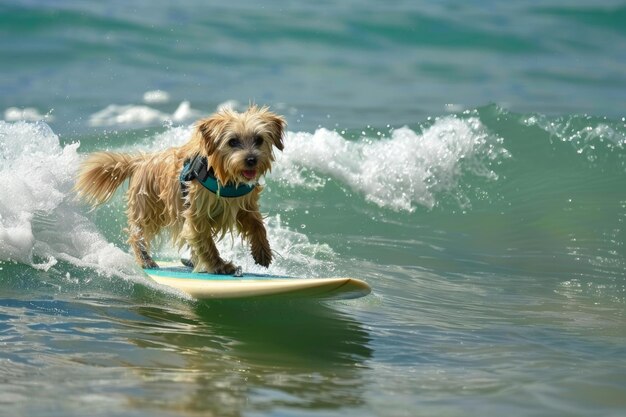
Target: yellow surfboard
(205,286)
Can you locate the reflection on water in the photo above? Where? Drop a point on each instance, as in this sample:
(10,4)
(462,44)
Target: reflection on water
(114,346)
(240,356)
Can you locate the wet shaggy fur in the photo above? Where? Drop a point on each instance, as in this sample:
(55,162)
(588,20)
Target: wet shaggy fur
(239,148)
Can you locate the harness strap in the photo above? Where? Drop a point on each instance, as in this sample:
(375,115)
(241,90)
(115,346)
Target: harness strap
(197,169)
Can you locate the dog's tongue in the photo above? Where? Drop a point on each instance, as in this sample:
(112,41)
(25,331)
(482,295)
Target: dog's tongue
(249,174)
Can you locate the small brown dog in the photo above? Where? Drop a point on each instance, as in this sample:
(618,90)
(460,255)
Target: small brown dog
(199,191)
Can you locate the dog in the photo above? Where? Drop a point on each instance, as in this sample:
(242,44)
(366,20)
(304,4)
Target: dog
(199,191)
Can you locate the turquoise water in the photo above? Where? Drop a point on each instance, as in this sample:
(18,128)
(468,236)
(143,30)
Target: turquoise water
(466,159)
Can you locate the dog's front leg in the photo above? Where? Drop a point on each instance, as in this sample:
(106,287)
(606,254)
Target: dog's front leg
(250,225)
(204,253)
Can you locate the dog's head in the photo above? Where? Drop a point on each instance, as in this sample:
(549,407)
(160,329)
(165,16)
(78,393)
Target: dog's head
(240,145)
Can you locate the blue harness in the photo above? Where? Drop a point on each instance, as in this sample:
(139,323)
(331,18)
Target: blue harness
(197,169)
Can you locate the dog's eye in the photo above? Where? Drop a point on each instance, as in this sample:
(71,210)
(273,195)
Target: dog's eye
(234,143)
(258,141)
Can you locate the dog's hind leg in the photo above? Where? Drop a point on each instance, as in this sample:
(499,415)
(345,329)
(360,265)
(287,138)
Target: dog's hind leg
(140,243)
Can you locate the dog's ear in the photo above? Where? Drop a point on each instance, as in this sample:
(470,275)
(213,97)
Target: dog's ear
(210,129)
(277,129)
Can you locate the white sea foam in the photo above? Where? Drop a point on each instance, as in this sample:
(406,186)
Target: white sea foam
(129,114)
(156,96)
(140,115)
(28,114)
(399,172)
(175,136)
(184,112)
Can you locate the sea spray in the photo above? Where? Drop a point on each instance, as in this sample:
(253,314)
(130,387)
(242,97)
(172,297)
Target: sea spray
(40,220)
(36,177)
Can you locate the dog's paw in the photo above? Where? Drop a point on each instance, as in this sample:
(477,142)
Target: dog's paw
(225,268)
(149,264)
(262,256)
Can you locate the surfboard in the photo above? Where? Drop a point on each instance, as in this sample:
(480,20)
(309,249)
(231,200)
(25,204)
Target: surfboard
(204,286)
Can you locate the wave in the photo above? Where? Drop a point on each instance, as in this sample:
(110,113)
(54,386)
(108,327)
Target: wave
(405,170)
(535,175)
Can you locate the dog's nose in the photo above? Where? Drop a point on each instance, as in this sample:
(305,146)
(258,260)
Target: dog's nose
(251,161)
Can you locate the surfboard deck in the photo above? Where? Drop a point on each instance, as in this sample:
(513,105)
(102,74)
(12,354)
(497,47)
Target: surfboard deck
(204,286)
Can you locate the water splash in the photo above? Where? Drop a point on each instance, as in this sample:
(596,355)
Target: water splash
(40,221)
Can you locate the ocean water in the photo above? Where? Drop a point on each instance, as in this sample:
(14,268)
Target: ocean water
(466,158)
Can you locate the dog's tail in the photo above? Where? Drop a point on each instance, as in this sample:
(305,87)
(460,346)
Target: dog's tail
(100,175)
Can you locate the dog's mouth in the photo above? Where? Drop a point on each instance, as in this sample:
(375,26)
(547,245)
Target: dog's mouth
(250,174)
